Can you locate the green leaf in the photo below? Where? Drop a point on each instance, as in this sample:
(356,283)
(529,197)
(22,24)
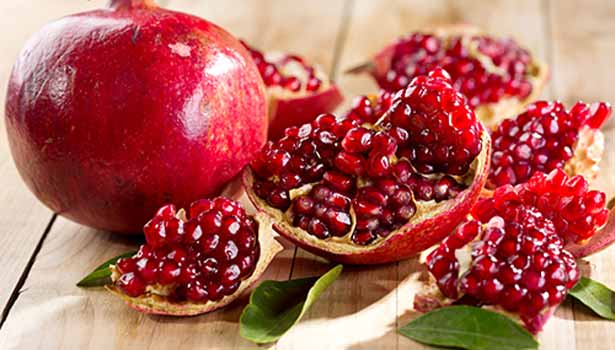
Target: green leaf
(470,328)
(276,306)
(102,275)
(594,295)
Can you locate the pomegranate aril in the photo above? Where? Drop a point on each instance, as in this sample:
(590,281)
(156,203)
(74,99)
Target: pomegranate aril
(131,284)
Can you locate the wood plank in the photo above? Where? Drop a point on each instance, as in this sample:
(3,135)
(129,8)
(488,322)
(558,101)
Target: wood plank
(22,217)
(583,50)
(52,313)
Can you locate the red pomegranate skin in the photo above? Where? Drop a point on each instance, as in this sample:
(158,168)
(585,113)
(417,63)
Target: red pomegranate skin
(114,112)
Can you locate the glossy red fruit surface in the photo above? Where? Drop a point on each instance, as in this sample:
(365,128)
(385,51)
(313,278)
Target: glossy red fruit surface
(298,91)
(368,193)
(195,261)
(112,113)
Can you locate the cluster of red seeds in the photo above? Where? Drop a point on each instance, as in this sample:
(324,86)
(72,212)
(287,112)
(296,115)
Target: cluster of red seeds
(540,139)
(202,258)
(436,129)
(373,168)
(577,212)
(302,156)
(272,75)
(420,53)
(518,263)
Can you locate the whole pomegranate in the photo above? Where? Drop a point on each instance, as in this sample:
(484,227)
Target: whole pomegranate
(112,113)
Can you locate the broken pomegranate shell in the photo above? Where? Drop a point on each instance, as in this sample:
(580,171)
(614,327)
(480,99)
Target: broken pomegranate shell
(546,136)
(368,193)
(195,261)
(297,90)
(516,264)
(497,75)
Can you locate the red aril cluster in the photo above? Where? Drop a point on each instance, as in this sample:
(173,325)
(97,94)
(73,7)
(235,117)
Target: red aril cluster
(484,69)
(199,258)
(302,156)
(370,172)
(274,75)
(517,263)
(439,132)
(576,211)
(369,109)
(540,139)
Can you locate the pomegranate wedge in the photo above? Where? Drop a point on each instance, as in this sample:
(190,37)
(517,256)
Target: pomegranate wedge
(497,75)
(196,261)
(297,91)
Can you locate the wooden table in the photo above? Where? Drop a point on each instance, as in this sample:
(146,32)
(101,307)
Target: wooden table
(42,255)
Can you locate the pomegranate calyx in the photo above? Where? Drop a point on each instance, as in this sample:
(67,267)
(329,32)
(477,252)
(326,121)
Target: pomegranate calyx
(156,298)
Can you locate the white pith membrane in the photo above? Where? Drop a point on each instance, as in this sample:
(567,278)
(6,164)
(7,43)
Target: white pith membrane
(345,245)
(492,113)
(429,297)
(588,152)
(155,299)
(293,68)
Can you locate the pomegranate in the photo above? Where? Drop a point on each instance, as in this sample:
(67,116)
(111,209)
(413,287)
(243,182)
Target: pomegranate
(577,212)
(112,113)
(517,263)
(297,90)
(497,75)
(365,193)
(195,261)
(545,137)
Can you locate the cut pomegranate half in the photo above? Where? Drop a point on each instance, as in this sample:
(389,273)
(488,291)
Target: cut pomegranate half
(546,137)
(298,91)
(197,261)
(368,193)
(497,75)
(517,263)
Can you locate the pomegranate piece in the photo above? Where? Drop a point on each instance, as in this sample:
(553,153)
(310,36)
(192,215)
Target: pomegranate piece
(131,113)
(546,137)
(577,212)
(496,75)
(194,262)
(361,192)
(298,91)
(518,264)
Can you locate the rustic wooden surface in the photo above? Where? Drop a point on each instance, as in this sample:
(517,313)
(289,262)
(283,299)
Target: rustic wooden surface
(41,256)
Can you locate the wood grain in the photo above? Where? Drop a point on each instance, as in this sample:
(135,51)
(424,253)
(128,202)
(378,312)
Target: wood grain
(583,52)
(366,305)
